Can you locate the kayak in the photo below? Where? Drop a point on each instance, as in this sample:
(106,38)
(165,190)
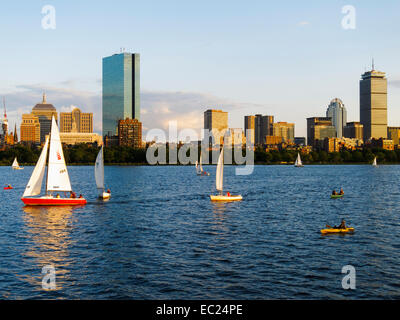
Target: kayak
(8,188)
(333,230)
(226,198)
(335,196)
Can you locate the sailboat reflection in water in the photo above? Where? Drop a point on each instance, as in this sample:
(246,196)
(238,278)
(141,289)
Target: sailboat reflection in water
(57,179)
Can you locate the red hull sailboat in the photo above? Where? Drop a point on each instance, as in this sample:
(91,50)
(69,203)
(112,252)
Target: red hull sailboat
(57,178)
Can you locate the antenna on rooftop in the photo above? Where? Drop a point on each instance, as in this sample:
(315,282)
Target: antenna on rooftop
(373,64)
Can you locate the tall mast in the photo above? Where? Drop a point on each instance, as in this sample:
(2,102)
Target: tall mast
(47,164)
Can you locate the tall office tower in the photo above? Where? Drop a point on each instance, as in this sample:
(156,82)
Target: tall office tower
(263,127)
(337,112)
(130,133)
(76,121)
(249,124)
(319,128)
(44,111)
(30,129)
(284,130)
(121,90)
(353,130)
(373,104)
(216,121)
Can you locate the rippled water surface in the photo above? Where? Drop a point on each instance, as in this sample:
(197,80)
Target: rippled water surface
(160,237)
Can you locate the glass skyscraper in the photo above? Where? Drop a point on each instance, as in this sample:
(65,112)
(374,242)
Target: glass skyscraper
(121,90)
(337,112)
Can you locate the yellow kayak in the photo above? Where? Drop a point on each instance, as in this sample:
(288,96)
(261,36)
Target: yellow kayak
(226,198)
(333,230)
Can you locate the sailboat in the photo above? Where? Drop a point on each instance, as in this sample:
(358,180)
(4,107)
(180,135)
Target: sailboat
(199,169)
(298,162)
(374,163)
(57,178)
(15,165)
(219,181)
(99,175)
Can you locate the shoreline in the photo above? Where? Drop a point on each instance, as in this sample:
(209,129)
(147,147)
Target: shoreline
(185,165)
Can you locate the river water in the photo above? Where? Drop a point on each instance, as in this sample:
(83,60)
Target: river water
(160,237)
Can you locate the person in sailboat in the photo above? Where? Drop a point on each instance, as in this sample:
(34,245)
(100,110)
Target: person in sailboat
(108,191)
(228,194)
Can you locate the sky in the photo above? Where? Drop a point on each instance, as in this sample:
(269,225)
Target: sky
(283,58)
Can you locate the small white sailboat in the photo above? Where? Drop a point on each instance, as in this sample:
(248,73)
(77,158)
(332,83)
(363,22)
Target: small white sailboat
(57,178)
(219,182)
(99,175)
(15,165)
(374,163)
(199,168)
(298,162)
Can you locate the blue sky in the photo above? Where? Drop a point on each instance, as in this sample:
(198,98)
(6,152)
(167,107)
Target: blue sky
(285,58)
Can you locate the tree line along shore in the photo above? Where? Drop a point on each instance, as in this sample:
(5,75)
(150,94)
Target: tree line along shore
(84,154)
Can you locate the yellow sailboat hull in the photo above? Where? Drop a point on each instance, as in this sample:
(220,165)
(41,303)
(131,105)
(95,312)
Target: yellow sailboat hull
(226,198)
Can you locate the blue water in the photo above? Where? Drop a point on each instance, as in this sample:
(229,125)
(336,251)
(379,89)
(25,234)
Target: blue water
(160,237)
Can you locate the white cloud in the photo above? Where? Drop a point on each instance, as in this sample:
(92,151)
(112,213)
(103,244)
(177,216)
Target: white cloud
(304,23)
(158,107)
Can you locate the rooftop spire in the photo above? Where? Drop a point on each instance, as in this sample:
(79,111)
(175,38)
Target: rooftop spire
(373,64)
(44,98)
(5,111)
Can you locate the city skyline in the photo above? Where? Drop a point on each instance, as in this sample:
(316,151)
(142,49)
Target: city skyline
(199,75)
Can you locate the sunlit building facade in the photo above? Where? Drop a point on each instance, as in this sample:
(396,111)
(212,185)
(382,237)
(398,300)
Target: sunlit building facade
(121,90)
(337,112)
(373,104)
(30,129)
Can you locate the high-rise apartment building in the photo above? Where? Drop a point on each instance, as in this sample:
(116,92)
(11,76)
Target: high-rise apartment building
(76,121)
(284,130)
(353,130)
(373,104)
(130,133)
(216,121)
(249,128)
(30,129)
(121,90)
(44,111)
(319,128)
(337,112)
(263,127)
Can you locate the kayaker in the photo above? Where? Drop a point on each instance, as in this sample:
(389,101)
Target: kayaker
(334,193)
(342,225)
(341,191)
(108,191)
(80,196)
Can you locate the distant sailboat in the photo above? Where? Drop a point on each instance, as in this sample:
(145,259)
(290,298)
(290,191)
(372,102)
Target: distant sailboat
(99,175)
(374,163)
(57,179)
(15,165)
(219,182)
(298,162)
(199,168)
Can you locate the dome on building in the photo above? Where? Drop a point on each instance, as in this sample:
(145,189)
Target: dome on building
(44,105)
(338,101)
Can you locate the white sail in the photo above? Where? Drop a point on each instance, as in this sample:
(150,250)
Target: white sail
(298,162)
(220,172)
(15,163)
(99,170)
(374,163)
(201,167)
(57,175)
(34,185)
